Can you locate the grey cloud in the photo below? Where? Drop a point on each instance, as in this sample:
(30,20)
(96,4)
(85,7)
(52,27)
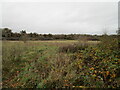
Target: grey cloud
(81,17)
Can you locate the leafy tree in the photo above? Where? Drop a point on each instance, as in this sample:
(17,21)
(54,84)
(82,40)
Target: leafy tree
(50,35)
(118,32)
(23,36)
(6,33)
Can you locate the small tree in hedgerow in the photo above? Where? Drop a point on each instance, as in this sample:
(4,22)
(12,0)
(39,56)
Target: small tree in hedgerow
(118,32)
(23,36)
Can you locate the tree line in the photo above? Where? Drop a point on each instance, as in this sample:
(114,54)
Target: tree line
(7,34)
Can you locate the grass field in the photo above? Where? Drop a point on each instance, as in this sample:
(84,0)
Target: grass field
(61,64)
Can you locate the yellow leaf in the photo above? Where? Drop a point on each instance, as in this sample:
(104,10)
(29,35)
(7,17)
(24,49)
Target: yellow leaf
(107,73)
(92,68)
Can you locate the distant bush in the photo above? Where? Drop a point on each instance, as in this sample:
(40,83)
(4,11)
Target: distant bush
(73,48)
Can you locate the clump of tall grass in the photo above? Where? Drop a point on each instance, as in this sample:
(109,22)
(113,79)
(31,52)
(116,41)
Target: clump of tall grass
(12,53)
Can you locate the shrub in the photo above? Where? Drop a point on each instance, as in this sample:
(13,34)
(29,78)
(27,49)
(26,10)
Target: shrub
(73,48)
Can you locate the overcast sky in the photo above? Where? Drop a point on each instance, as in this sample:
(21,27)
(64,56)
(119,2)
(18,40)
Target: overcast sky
(61,17)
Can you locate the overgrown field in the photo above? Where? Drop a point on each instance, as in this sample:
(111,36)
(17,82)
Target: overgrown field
(61,64)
